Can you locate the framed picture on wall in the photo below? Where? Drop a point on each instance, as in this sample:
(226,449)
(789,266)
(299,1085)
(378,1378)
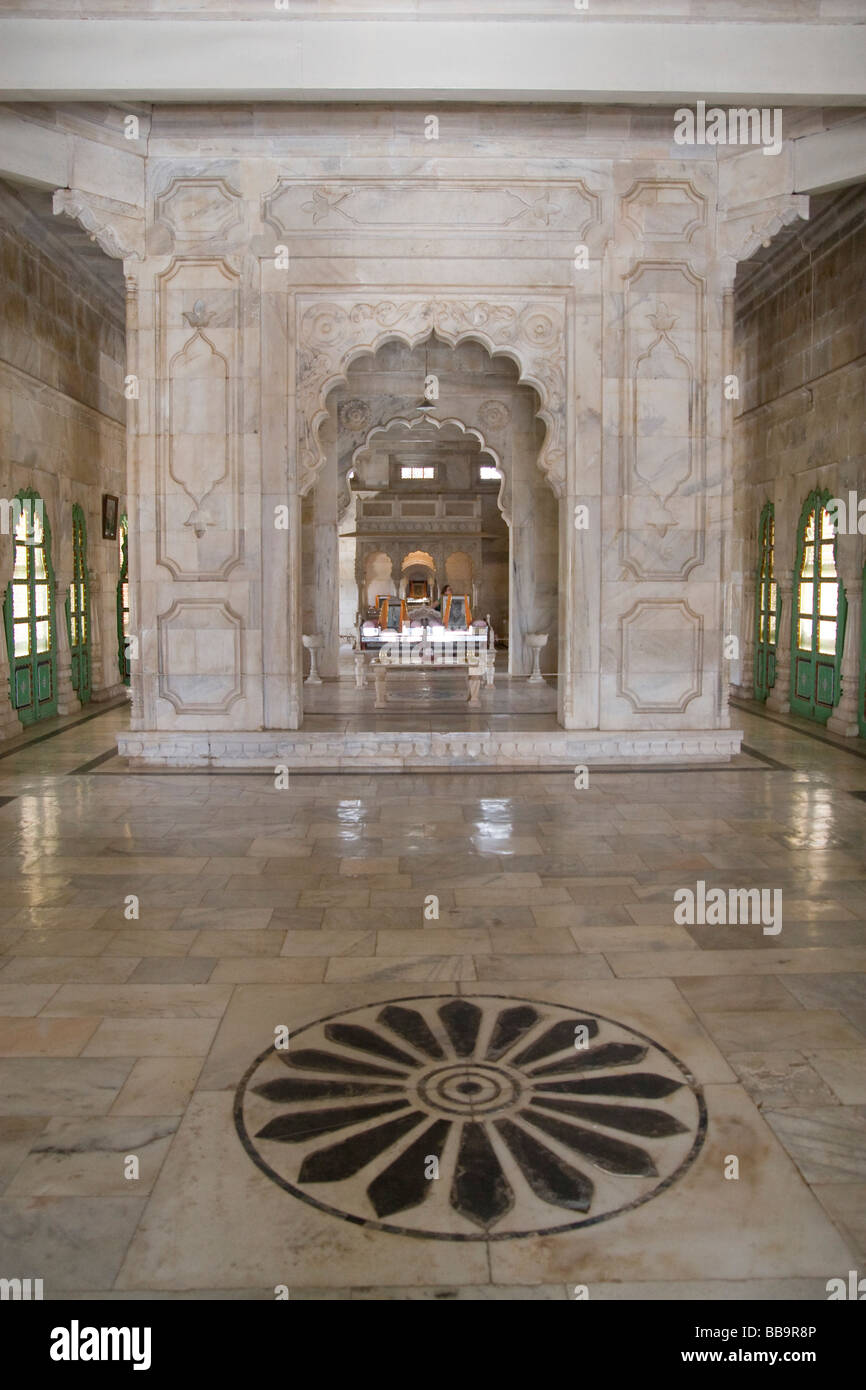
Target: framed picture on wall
(109,516)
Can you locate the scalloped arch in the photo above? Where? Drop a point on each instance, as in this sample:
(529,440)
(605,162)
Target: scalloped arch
(334,333)
(502,497)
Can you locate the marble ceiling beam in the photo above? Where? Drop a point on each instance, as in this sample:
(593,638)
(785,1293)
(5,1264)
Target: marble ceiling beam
(573,58)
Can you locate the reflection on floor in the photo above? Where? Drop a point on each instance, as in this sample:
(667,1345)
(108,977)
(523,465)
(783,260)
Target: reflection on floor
(336,705)
(508,1071)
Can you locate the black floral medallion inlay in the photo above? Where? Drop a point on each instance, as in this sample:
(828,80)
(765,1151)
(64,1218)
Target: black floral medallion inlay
(482,1118)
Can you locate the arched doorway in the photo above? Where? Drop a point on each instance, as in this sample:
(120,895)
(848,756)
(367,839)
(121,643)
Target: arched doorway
(460,482)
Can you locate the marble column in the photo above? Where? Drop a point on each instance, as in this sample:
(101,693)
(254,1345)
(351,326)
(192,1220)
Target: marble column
(779,698)
(94,619)
(67,700)
(326,560)
(745,687)
(844,719)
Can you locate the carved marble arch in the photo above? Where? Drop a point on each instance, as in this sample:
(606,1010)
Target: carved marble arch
(503,497)
(530,330)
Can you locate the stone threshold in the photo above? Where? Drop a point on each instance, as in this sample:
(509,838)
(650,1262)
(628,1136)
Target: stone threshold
(401,750)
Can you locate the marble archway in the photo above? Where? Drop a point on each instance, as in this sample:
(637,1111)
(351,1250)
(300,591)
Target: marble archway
(332,331)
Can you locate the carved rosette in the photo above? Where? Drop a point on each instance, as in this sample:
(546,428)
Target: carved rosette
(531,331)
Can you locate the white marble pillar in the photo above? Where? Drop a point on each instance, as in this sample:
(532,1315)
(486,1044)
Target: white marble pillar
(67,700)
(326,560)
(580,550)
(521,586)
(745,686)
(779,698)
(844,719)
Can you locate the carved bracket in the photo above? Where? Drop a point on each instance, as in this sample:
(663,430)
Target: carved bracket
(114,231)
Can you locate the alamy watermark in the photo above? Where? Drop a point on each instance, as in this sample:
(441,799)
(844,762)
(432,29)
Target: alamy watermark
(847,518)
(717,907)
(739,125)
(11,512)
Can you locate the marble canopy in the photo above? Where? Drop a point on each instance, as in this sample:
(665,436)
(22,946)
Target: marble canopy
(599,259)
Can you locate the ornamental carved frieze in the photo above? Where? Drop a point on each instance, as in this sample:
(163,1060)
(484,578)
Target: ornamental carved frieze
(448,207)
(528,329)
(441,525)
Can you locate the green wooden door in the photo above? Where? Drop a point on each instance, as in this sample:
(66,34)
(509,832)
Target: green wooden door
(28,614)
(766,607)
(123,602)
(818,618)
(78,610)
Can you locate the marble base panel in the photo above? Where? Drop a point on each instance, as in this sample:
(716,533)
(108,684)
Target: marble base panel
(402,750)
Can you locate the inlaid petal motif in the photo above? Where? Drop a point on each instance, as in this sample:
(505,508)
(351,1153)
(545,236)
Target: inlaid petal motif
(470,1118)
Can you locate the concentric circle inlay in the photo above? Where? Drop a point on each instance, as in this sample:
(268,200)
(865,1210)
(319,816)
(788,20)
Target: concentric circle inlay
(472,1118)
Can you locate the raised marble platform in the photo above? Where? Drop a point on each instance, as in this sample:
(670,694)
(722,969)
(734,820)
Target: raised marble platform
(397,750)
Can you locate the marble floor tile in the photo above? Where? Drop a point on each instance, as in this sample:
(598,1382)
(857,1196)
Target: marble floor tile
(61,969)
(62,1085)
(139,1001)
(813,960)
(75,1242)
(141,941)
(845,991)
(88,1157)
(846,1205)
(158,1086)
(524,941)
(173,970)
(542,967)
(23,1001)
(269,969)
(329,943)
(61,943)
(434,941)
(614,938)
(45,1037)
(844,1070)
(229,918)
(579,912)
(827,1144)
(417,968)
(222,943)
(750,992)
(17,1133)
(738,1030)
(776,1080)
(152,1037)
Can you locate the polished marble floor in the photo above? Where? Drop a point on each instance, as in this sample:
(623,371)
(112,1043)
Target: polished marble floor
(508,1070)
